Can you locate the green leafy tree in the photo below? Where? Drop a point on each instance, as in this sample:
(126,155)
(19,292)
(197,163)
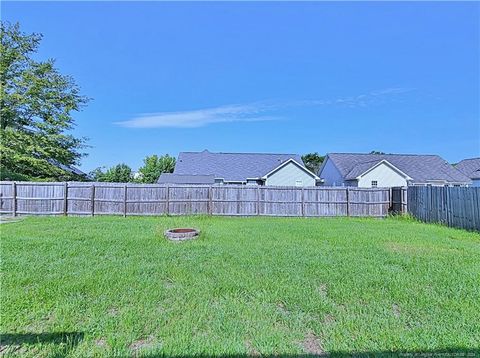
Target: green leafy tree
(36,105)
(154,165)
(313,161)
(120,173)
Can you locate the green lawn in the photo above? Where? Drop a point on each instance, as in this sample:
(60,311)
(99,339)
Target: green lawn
(113,286)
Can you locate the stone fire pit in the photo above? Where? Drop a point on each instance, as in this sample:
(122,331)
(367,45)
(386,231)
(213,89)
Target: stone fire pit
(182,234)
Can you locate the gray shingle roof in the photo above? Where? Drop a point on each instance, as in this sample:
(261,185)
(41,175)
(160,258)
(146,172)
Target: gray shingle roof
(421,168)
(230,166)
(185,179)
(470,167)
(361,168)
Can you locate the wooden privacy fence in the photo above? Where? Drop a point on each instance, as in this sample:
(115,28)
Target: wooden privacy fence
(453,206)
(77,198)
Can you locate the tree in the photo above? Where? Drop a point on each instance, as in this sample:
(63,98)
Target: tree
(36,105)
(313,161)
(120,173)
(154,165)
(376,152)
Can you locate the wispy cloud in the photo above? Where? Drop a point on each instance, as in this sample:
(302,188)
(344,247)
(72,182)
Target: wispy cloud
(253,112)
(201,117)
(361,100)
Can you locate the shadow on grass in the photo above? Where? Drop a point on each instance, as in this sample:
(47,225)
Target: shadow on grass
(71,339)
(13,340)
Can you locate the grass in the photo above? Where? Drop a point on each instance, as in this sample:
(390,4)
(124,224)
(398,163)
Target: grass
(111,286)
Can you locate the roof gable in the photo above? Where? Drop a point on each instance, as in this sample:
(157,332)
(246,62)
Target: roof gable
(294,162)
(420,168)
(231,166)
(363,168)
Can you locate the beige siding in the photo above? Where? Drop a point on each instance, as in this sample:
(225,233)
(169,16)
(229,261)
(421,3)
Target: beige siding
(385,177)
(290,175)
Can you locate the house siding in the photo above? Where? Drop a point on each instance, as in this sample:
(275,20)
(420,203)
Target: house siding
(476,182)
(384,175)
(289,175)
(331,175)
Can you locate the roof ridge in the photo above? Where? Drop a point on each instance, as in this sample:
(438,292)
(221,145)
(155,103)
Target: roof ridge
(464,160)
(412,155)
(249,153)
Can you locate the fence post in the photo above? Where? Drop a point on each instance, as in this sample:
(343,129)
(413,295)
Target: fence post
(65,199)
(258,200)
(93,200)
(14,199)
(390,200)
(125,201)
(348,201)
(167,202)
(210,194)
(303,204)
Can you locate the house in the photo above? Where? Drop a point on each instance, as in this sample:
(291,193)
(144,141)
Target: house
(471,168)
(240,168)
(389,170)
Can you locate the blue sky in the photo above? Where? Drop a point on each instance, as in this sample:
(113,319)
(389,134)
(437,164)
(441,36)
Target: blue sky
(266,77)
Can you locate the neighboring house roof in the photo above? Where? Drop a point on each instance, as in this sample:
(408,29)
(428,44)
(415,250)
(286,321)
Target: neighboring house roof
(186,179)
(470,167)
(420,168)
(67,168)
(232,167)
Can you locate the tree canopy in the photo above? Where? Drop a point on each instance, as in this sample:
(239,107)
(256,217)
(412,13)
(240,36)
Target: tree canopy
(154,165)
(36,105)
(313,161)
(120,173)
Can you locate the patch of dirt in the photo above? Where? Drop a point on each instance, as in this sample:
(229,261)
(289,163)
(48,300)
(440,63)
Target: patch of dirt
(147,343)
(396,310)
(313,345)
(113,312)
(168,283)
(282,308)
(252,351)
(101,342)
(328,319)
(322,290)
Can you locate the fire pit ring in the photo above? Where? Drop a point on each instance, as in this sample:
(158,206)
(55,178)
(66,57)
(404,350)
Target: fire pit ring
(182,234)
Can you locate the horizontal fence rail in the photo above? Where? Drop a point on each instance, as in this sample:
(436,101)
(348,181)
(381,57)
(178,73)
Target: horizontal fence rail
(452,206)
(73,198)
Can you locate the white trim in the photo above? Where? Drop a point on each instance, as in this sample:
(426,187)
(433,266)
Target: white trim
(383,161)
(291,160)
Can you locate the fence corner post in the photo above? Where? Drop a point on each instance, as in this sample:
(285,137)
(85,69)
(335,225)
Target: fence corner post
(390,200)
(65,199)
(14,199)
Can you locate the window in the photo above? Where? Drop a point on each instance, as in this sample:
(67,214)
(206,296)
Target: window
(298,183)
(374,183)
